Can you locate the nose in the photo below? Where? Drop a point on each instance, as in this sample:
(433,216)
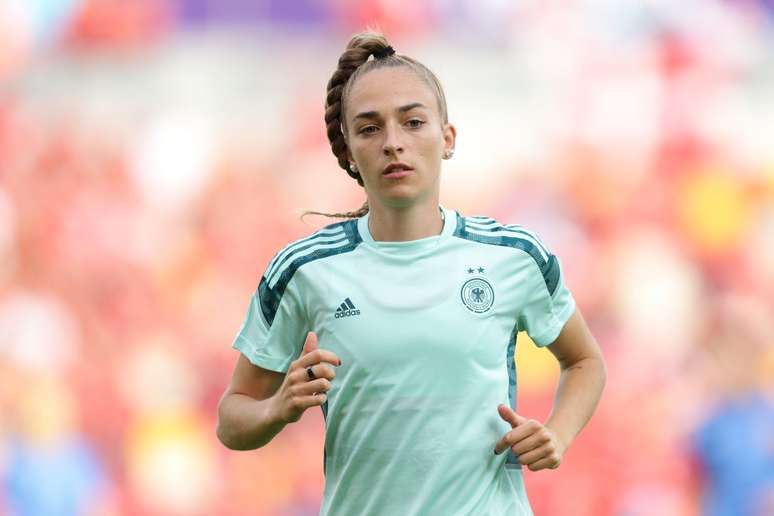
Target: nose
(392,145)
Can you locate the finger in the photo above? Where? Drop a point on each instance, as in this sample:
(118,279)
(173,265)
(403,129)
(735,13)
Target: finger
(317,356)
(507,414)
(311,401)
(300,376)
(503,444)
(310,344)
(530,442)
(323,370)
(526,429)
(547,463)
(536,455)
(313,387)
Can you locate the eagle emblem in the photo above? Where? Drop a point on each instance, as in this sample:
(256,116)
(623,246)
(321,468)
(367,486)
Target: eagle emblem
(477,294)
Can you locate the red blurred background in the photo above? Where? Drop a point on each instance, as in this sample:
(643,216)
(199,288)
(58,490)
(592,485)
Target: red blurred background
(155,154)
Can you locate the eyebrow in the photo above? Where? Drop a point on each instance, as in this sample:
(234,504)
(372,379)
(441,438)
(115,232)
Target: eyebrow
(401,109)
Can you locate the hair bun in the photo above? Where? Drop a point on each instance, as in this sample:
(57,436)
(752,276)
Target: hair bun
(383,52)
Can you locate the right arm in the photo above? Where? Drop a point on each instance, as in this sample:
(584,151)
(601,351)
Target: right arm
(247,417)
(259,403)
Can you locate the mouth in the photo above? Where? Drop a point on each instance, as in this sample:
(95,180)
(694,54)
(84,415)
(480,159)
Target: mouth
(396,170)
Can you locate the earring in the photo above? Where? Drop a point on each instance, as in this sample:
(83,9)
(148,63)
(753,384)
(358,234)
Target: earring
(353,168)
(448,154)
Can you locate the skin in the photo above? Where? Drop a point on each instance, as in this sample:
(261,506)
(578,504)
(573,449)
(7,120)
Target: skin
(581,381)
(393,116)
(259,403)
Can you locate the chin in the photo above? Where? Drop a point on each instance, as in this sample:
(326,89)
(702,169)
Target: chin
(402,199)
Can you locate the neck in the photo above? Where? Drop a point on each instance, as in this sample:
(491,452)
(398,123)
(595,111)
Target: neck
(388,224)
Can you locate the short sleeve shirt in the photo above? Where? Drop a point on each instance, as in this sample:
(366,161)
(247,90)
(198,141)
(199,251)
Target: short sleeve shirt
(426,333)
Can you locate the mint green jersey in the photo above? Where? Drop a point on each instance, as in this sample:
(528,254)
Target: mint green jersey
(426,333)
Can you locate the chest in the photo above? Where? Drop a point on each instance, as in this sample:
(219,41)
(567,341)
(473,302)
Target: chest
(446,313)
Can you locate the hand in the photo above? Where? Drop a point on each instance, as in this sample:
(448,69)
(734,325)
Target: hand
(297,392)
(536,445)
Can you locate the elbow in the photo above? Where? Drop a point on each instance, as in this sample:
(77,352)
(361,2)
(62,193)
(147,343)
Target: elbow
(602,368)
(230,433)
(222,435)
(228,437)
(221,431)
(601,371)
(595,363)
(224,430)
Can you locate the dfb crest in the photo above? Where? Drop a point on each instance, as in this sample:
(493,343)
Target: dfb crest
(477,294)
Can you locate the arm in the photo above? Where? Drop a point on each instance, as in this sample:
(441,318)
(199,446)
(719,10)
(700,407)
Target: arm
(259,403)
(582,379)
(583,376)
(247,418)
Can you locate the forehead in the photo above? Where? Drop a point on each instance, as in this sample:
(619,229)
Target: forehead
(386,89)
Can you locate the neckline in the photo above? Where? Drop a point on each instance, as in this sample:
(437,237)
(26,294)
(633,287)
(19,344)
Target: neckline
(449,223)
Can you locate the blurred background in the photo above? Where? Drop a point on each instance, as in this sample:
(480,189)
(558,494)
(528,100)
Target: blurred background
(155,154)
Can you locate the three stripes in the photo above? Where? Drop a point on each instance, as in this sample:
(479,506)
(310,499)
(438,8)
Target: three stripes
(335,237)
(486,226)
(489,231)
(330,238)
(346,305)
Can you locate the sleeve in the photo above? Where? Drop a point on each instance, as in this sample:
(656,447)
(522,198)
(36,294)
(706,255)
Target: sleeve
(274,328)
(548,303)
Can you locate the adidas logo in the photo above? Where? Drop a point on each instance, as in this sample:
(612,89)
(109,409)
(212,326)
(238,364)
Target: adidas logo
(347,309)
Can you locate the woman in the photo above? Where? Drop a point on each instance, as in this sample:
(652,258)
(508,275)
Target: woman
(400,322)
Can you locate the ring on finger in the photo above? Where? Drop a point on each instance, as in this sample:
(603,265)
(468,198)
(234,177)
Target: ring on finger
(310,373)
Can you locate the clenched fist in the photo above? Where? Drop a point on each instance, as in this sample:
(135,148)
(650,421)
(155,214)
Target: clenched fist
(307,380)
(536,445)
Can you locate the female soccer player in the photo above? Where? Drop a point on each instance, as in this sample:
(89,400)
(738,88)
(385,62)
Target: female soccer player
(400,322)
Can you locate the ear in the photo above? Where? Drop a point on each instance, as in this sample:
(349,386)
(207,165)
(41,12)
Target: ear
(449,137)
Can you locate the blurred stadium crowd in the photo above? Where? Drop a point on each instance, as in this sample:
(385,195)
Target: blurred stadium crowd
(155,154)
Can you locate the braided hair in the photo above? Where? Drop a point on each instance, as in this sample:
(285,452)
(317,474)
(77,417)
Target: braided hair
(353,63)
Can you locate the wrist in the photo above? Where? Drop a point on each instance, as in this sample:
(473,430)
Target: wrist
(274,411)
(565,438)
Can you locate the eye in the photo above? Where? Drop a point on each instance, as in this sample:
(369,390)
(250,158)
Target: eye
(369,129)
(415,123)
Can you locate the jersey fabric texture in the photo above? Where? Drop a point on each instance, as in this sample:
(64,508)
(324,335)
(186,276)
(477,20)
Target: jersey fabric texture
(426,333)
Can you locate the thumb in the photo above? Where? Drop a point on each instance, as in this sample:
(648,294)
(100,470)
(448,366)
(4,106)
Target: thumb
(310,344)
(510,416)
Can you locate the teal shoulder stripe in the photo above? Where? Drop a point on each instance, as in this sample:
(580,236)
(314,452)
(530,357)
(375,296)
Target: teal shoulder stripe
(550,273)
(329,234)
(549,267)
(271,296)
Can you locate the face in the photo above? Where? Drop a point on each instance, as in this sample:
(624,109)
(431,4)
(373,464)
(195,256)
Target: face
(393,118)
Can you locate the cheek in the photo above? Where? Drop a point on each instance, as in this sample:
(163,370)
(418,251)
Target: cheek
(432,138)
(431,146)
(360,152)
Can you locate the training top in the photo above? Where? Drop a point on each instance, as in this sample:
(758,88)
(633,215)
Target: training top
(425,330)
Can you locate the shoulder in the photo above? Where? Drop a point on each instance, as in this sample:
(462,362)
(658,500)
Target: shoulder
(337,238)
(333,239)
(523,241)
(487,230)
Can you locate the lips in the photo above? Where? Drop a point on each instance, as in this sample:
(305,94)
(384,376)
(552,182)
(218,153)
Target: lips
(395,169)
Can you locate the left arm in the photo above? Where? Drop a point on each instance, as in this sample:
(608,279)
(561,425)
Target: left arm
(582,379)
